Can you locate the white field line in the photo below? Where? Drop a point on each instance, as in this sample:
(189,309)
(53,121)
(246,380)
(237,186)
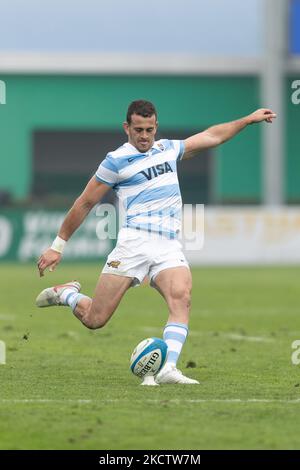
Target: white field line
(162,401)
(7,316)
(237,337)
(233,336)
(45,400)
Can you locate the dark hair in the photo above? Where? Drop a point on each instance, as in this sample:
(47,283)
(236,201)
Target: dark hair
(142,108)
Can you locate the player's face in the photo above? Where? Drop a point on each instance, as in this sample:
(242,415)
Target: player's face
(141,132)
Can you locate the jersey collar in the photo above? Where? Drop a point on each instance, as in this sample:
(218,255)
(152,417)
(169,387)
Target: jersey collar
(156,146)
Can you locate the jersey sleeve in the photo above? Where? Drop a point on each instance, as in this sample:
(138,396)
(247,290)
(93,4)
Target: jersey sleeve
(107,171)
(179,148)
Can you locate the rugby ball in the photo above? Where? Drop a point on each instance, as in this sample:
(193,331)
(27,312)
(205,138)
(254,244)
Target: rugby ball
(148,357)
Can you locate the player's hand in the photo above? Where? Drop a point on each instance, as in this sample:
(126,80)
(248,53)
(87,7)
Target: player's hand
(49,259)
(262,115)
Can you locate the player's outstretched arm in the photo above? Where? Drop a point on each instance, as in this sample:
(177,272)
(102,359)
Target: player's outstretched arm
(92,194)
(219,134)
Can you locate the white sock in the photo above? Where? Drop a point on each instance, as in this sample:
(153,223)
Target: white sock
(175,335)
(71,297)
(64,297)
(75,298)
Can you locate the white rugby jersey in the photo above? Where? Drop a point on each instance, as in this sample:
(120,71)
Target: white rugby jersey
(147,185)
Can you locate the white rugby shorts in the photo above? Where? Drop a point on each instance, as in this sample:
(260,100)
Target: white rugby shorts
(138,254)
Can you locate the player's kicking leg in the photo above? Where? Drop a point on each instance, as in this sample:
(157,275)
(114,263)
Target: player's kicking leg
(175,286)
(93,313)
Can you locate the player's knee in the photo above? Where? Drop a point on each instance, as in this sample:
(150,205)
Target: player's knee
(96,323)
(182,295)
(98,319)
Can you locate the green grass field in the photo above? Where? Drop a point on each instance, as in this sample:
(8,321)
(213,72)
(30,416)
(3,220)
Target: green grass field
(65,387)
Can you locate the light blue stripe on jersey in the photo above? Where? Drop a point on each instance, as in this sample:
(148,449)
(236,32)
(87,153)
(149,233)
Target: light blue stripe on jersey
(135,180)
(127,160)
(109,163)
(176,213)
(153,228)
(103,181)
(147,195)
(181,151)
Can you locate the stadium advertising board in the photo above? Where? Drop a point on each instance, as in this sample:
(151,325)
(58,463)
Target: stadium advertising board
(249,236)
(231,236)
(24,235)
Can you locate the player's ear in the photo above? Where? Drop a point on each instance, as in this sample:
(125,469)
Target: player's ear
(126,127)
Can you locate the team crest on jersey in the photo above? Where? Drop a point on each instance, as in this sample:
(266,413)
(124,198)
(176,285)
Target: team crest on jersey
(114,264)
(161,146)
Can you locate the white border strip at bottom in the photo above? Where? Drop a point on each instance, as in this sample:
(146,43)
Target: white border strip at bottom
(157,401)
